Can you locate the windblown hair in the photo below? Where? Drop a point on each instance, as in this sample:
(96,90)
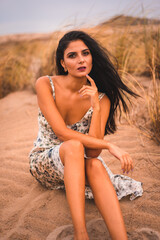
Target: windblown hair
(103,72)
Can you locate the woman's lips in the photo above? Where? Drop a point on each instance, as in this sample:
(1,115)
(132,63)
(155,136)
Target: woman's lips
(81,69)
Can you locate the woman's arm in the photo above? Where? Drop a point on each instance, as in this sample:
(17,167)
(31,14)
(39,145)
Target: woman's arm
(49,109)
(99,116)
(98,123)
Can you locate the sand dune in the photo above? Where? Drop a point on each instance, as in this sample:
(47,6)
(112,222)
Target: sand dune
(30,212)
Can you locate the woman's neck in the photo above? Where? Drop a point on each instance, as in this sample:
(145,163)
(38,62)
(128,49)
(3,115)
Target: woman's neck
(75,84)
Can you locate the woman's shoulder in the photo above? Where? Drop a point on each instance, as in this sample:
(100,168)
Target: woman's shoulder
(42,80)
(104,99)
(42,84)
(46,79)
(104,96)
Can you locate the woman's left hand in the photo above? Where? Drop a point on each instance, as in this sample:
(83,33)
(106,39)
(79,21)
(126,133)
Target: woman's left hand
(124,158)
(92,92)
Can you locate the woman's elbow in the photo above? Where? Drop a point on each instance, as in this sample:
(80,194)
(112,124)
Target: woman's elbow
(93,153)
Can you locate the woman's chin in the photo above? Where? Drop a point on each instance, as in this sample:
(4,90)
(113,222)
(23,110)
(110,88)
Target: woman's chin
(80,75)
(83,74)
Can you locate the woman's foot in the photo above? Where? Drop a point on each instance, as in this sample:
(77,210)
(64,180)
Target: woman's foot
(81,235)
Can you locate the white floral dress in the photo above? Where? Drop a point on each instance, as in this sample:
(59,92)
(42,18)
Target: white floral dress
(47,167)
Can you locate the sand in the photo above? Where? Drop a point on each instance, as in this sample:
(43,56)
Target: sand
(30,212)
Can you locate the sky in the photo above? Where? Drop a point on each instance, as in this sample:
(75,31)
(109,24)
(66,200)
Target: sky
(43,16)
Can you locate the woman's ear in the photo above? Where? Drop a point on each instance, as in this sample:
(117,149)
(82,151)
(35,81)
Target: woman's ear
(63,65)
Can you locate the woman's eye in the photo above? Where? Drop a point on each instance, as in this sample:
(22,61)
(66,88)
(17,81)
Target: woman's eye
(85,53)
(72,55)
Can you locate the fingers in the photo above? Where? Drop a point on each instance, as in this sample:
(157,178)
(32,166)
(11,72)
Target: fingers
(126,163)
(86,87)
(91,81)
(92,89)
(124,157)
(87,91)
(92,92)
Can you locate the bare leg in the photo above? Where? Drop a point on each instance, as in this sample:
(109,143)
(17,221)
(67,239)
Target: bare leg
(72,156)
(105,198)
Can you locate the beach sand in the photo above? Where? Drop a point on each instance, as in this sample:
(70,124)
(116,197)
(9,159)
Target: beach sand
(28,211)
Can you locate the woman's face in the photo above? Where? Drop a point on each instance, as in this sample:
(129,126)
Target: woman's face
(77,59)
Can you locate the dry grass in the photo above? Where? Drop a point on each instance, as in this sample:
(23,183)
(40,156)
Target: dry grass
(153,101)
(22,62)
(145,113)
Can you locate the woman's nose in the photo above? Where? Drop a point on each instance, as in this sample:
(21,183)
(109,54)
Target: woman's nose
(81,59)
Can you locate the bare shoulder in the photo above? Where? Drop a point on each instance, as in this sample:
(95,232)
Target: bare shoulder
(45,79)
(44,82)
(105,104)
(105,101)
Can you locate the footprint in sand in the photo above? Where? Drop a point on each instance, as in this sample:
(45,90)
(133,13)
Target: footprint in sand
(144,234)
(97,230)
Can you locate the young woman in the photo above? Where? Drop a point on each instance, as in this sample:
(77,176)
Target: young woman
(76,110)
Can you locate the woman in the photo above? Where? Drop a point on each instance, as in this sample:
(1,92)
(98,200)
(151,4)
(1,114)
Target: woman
(75,111)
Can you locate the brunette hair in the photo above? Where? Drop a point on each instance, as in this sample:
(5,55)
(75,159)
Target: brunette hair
(103,72)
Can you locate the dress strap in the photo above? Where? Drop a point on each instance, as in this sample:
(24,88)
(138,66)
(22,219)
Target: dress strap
(101,95)
(52,85)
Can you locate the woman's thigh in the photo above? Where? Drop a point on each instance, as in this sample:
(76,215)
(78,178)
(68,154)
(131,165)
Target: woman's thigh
(47,167)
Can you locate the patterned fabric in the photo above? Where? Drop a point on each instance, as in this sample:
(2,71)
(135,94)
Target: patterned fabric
(47,167)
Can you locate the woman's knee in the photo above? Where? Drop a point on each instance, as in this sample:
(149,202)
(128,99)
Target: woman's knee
(71,148)
(94,167)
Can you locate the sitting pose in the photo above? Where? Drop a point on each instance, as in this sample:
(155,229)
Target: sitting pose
(76,110)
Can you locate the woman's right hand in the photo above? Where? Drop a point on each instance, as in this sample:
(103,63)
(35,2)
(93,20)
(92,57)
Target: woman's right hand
(92,92)
(124,157)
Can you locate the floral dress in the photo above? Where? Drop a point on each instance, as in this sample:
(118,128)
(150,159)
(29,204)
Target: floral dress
(47,167)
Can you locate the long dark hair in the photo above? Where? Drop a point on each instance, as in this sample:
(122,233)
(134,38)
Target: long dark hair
(103,72)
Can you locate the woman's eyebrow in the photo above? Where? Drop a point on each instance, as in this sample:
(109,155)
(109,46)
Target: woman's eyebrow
(70,53)
(75,52)
(85,49)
